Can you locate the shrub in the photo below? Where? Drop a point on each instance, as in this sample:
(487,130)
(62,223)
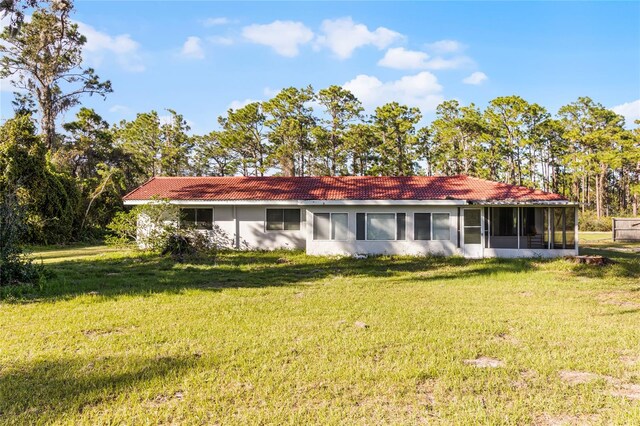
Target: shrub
(588,221)
(15,266)
(189,243)
(158,219)
(154,227)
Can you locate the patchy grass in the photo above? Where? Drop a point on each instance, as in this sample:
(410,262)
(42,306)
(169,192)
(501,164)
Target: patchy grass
(284,338)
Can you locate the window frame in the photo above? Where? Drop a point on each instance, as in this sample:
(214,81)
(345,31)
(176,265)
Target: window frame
(313,231)
(195,222)
(431,223)
(430,227)
(265,225)
(448,226)
(395,225)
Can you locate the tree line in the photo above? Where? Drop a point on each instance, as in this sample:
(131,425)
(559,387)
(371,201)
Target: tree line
(69,177)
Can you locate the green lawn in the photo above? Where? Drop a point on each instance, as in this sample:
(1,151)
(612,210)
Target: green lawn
(274,338)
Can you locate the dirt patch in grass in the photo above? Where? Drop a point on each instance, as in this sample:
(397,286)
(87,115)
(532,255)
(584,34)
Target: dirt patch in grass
(507,338)
(619,387)
(163,399)
(630,360)
(425,392)
(621,299)
(526,376)
(361,324)
(100,332)
(566,420)
(578,377)
(484,362)
(627,390)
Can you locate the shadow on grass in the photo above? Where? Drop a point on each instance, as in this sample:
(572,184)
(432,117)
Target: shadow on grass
(143,274)
(52,389)
(627,264)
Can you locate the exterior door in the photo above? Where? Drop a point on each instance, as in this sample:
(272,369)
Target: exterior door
(472,233)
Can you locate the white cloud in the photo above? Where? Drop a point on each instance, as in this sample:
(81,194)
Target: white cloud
(212,22)
(342,36)
(421,90)
(440,63)
(475,78)
(285,37)
(223,41)
(120,109)
(192,48)
(629,110)
(237,104)
(99,45)
(402,59)
(445,46)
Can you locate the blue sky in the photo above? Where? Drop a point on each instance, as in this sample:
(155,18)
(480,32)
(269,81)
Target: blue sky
(200,58)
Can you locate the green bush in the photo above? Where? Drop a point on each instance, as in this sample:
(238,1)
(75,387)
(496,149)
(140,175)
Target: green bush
(588,221)
(154,227)
(158,220)
(15,266)
(189,243)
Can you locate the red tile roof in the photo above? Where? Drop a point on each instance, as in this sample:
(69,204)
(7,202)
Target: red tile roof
(336,188)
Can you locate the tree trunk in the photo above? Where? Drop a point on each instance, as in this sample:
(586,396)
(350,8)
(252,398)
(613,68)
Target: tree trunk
(47,124)
(600,193)
(583,193)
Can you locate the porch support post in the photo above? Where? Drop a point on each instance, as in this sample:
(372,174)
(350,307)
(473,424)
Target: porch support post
(575,231)
(458,227)
(549,226)
(488,236)
(518,225)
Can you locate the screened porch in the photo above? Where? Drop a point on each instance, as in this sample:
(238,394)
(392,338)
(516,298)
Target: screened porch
(517,227)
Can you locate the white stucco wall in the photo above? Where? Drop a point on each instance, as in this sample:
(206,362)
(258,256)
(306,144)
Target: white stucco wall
(253,233)
(526,253)
(409,246)
(244,227)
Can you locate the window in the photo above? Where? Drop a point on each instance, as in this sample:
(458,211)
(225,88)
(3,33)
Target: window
(321,225)
(422,226)
(401,219)
(360,226)
(283,219)
(330,226)
(196,218)
(440,222)
(427,226)
(339,226)
(381,226)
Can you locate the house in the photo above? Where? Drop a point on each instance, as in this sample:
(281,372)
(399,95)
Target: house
(352,215)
